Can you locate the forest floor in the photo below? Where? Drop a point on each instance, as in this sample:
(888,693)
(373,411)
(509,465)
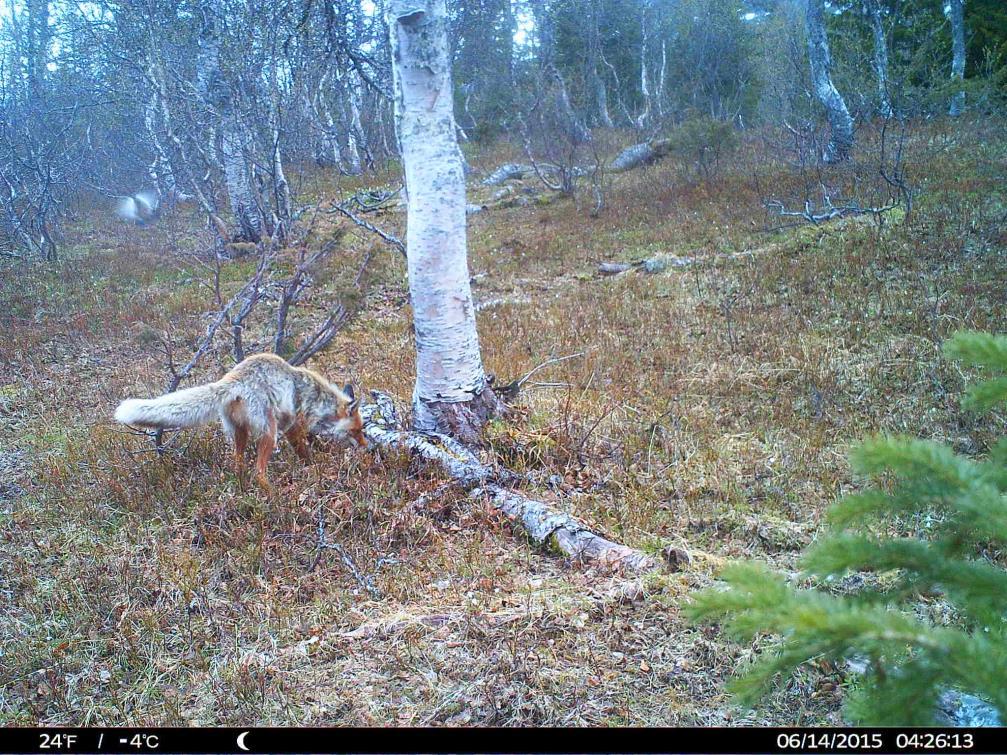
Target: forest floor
(711,410)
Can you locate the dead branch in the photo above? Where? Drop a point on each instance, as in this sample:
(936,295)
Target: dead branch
(828,211)
(511,389)
(545,524)
(324,543)
(389,238)
(324,333)
(613,268)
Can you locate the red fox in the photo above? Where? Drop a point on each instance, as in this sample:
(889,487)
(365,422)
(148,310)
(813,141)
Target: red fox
(260,398)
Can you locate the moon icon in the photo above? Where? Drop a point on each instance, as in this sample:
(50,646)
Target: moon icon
(241,741)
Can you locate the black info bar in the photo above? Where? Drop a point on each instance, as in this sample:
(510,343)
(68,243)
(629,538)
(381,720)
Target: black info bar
(390,741)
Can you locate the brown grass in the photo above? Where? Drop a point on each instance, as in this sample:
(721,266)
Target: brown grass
(712,410)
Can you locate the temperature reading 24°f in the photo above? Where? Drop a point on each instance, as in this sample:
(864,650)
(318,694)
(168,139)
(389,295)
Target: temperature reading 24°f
(141,741)
(56,741)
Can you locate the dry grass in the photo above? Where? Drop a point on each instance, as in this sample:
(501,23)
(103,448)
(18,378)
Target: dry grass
(712,410)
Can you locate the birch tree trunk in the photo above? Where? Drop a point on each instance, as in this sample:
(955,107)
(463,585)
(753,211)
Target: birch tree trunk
(237,178)
(354,129)
(232,142)
(873,10)
(327,151)
(594,81)
(840,122)
(158,76)
(957,13)
(160,170)
(641,122)
(281,188)
(451,394)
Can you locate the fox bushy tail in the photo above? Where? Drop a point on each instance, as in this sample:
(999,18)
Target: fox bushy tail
(189,407)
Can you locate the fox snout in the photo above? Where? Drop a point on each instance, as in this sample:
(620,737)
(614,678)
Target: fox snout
(358,438)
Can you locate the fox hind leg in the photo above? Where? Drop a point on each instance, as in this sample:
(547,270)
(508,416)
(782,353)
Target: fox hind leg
(264,449)
(237,428)
(240,443)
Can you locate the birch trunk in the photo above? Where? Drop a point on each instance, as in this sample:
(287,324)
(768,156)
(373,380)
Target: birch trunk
(328,153)
(238,179)
(873,9)
(451,394)
(957,13)
(840,122)
(355,130)
(160,169)
(595,82)
(204,198)
(39,42)
(281,188)
(641,122)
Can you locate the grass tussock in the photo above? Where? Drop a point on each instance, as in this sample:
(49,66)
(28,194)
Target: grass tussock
(711,411)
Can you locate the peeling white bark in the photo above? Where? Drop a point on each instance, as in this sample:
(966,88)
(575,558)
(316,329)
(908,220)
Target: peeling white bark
(238,179)
(449,367)
(550,527)
(957,13)
(506,172)
(355,130)
(873,10)
(840,122)
(210,79)
(641,122)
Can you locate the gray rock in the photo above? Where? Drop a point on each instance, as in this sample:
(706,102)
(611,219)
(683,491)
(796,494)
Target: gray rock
(960,709)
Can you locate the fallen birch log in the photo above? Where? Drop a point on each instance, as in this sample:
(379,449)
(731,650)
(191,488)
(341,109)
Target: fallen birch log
(545,525)
(657,264)
(508,171)
(640,154)
(549,527)
(613,268)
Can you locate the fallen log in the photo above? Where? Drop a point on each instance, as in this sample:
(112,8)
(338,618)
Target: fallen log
(640,154)
(508,171)
(518,171)
(652,265)
(550,527)
(613,268)
(545,525)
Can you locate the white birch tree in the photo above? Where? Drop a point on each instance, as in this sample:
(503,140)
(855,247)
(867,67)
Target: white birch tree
(451,394)
(233,136)
(840,122)
(956,10)
(872,8)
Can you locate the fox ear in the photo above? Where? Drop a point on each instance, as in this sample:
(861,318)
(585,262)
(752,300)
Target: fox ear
(348,390)
(352,408)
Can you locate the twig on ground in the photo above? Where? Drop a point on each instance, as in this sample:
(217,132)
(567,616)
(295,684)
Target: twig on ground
(511,389)
(324,543)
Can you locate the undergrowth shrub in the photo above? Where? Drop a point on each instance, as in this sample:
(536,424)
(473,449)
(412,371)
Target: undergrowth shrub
(909,582)
(702,141)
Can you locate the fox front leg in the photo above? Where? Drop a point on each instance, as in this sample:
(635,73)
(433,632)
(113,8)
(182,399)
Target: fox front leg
(298,437)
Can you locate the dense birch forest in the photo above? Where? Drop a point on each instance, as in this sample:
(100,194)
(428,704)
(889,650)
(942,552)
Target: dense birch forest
(628,362)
